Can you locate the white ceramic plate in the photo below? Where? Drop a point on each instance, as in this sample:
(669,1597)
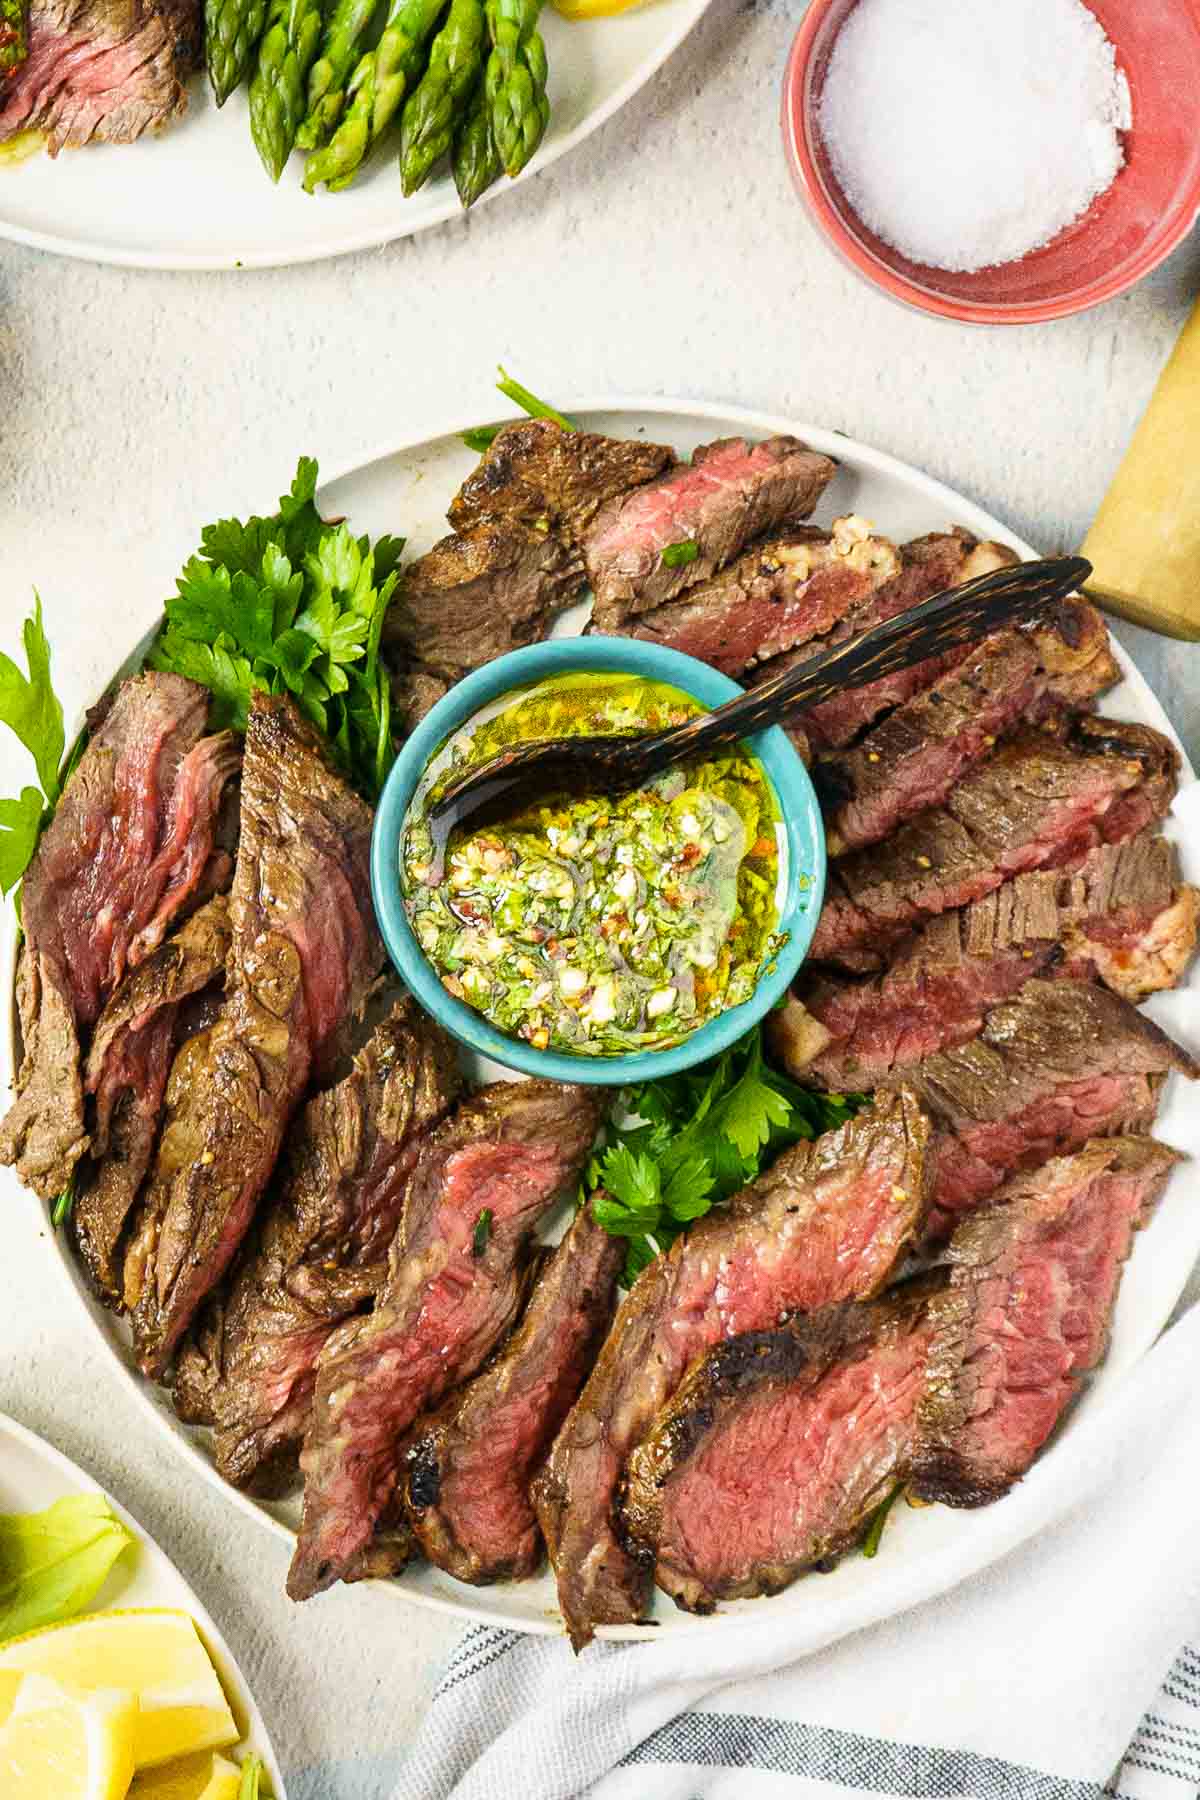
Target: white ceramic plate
(197,197)
(33,1475)
(407,489)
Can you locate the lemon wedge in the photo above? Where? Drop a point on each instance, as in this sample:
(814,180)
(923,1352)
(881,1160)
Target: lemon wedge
(157,1654)
(63,1744)
(205,1777)
(593,9)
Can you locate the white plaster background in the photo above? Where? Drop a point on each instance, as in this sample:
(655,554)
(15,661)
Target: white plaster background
(668,255)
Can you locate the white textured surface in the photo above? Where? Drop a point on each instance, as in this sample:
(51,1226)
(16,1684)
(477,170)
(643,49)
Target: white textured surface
(668,255)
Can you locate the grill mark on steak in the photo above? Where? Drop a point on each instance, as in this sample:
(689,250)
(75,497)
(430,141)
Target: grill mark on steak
(914,757)
(126,852)
(1123,919)
(469,1467)
(1038,803)
(777,1448)
(510,1151)
(305,949)
(320,1253)
(1033,1281)
(127,1068)
(535,474)
(729,494)
(782,593)
(102,71)
(1060,1063)
(827,1222)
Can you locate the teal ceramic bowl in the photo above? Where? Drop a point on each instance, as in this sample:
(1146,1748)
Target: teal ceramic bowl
(803,871)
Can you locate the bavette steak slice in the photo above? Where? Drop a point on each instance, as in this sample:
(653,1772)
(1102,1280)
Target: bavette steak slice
(1033,1281)
(827,1222)
(320,1253)
(1061,1063)
(470,1465)
(536,475)
(729,494)
(777,1448)
(1038,803)
(129,849)
(127,1067)
(1122,918)
(454,1287)
(102,71)
(304,952)
(914,757)
(781,593)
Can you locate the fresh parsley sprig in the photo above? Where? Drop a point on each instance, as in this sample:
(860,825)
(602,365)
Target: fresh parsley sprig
(693,1140)
(481,437)
(291,604)
(32,710)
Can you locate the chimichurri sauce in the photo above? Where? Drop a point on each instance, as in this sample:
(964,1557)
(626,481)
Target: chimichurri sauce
(593,925)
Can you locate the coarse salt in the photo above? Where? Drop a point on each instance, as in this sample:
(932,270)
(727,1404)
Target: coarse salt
(967,133)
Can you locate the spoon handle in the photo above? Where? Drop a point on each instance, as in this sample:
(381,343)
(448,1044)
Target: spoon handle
(959,616)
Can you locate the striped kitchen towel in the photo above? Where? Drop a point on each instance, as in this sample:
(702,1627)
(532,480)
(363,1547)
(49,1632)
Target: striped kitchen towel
(1055,1674)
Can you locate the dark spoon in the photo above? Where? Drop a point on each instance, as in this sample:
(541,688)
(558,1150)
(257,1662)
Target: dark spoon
(506,782)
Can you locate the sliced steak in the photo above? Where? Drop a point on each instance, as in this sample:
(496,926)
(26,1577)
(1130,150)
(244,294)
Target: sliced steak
(1038,803)
(470,1465)
(928,566)
(320,1253)
(782,593)
(304,951)
(127,1067)
(1061,1063)
(1122,918)
(1151,798)
(102,71)
(729,494)
(536,475)
(1033,1281)
(914,757)
(127,851)
(826,1223)
(453,1289)
(777,1448)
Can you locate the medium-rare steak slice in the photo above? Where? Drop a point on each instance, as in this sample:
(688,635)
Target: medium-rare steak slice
(777,1448)
(827,1222)
(454,1287)
(127,851)
(127,1068)
(1038,803)
(780,594)
(1122,918)
(535,474)
(102,71)
(304,952)
(729,494)
(912,759)
(1060,1063)
(470,1465)
(1033,1281)
(320,1253)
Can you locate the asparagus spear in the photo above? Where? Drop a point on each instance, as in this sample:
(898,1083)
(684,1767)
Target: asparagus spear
(277,87)
(330,73)
(377,87)
(14,37)
(476,164)
(232,29)
(516,81)
(435,106)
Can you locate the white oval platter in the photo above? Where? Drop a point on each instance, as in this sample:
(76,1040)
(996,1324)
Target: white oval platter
(406,489)
(33,1475)
(197,197)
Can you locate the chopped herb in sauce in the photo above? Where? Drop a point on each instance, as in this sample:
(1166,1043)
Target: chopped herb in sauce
(597,925)
(483,1232)
(677,556)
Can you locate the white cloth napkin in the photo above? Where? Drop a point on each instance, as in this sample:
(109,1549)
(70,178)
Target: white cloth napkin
(1038,1679)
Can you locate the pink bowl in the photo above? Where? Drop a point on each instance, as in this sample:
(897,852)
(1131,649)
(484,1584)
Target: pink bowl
(1125,233)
